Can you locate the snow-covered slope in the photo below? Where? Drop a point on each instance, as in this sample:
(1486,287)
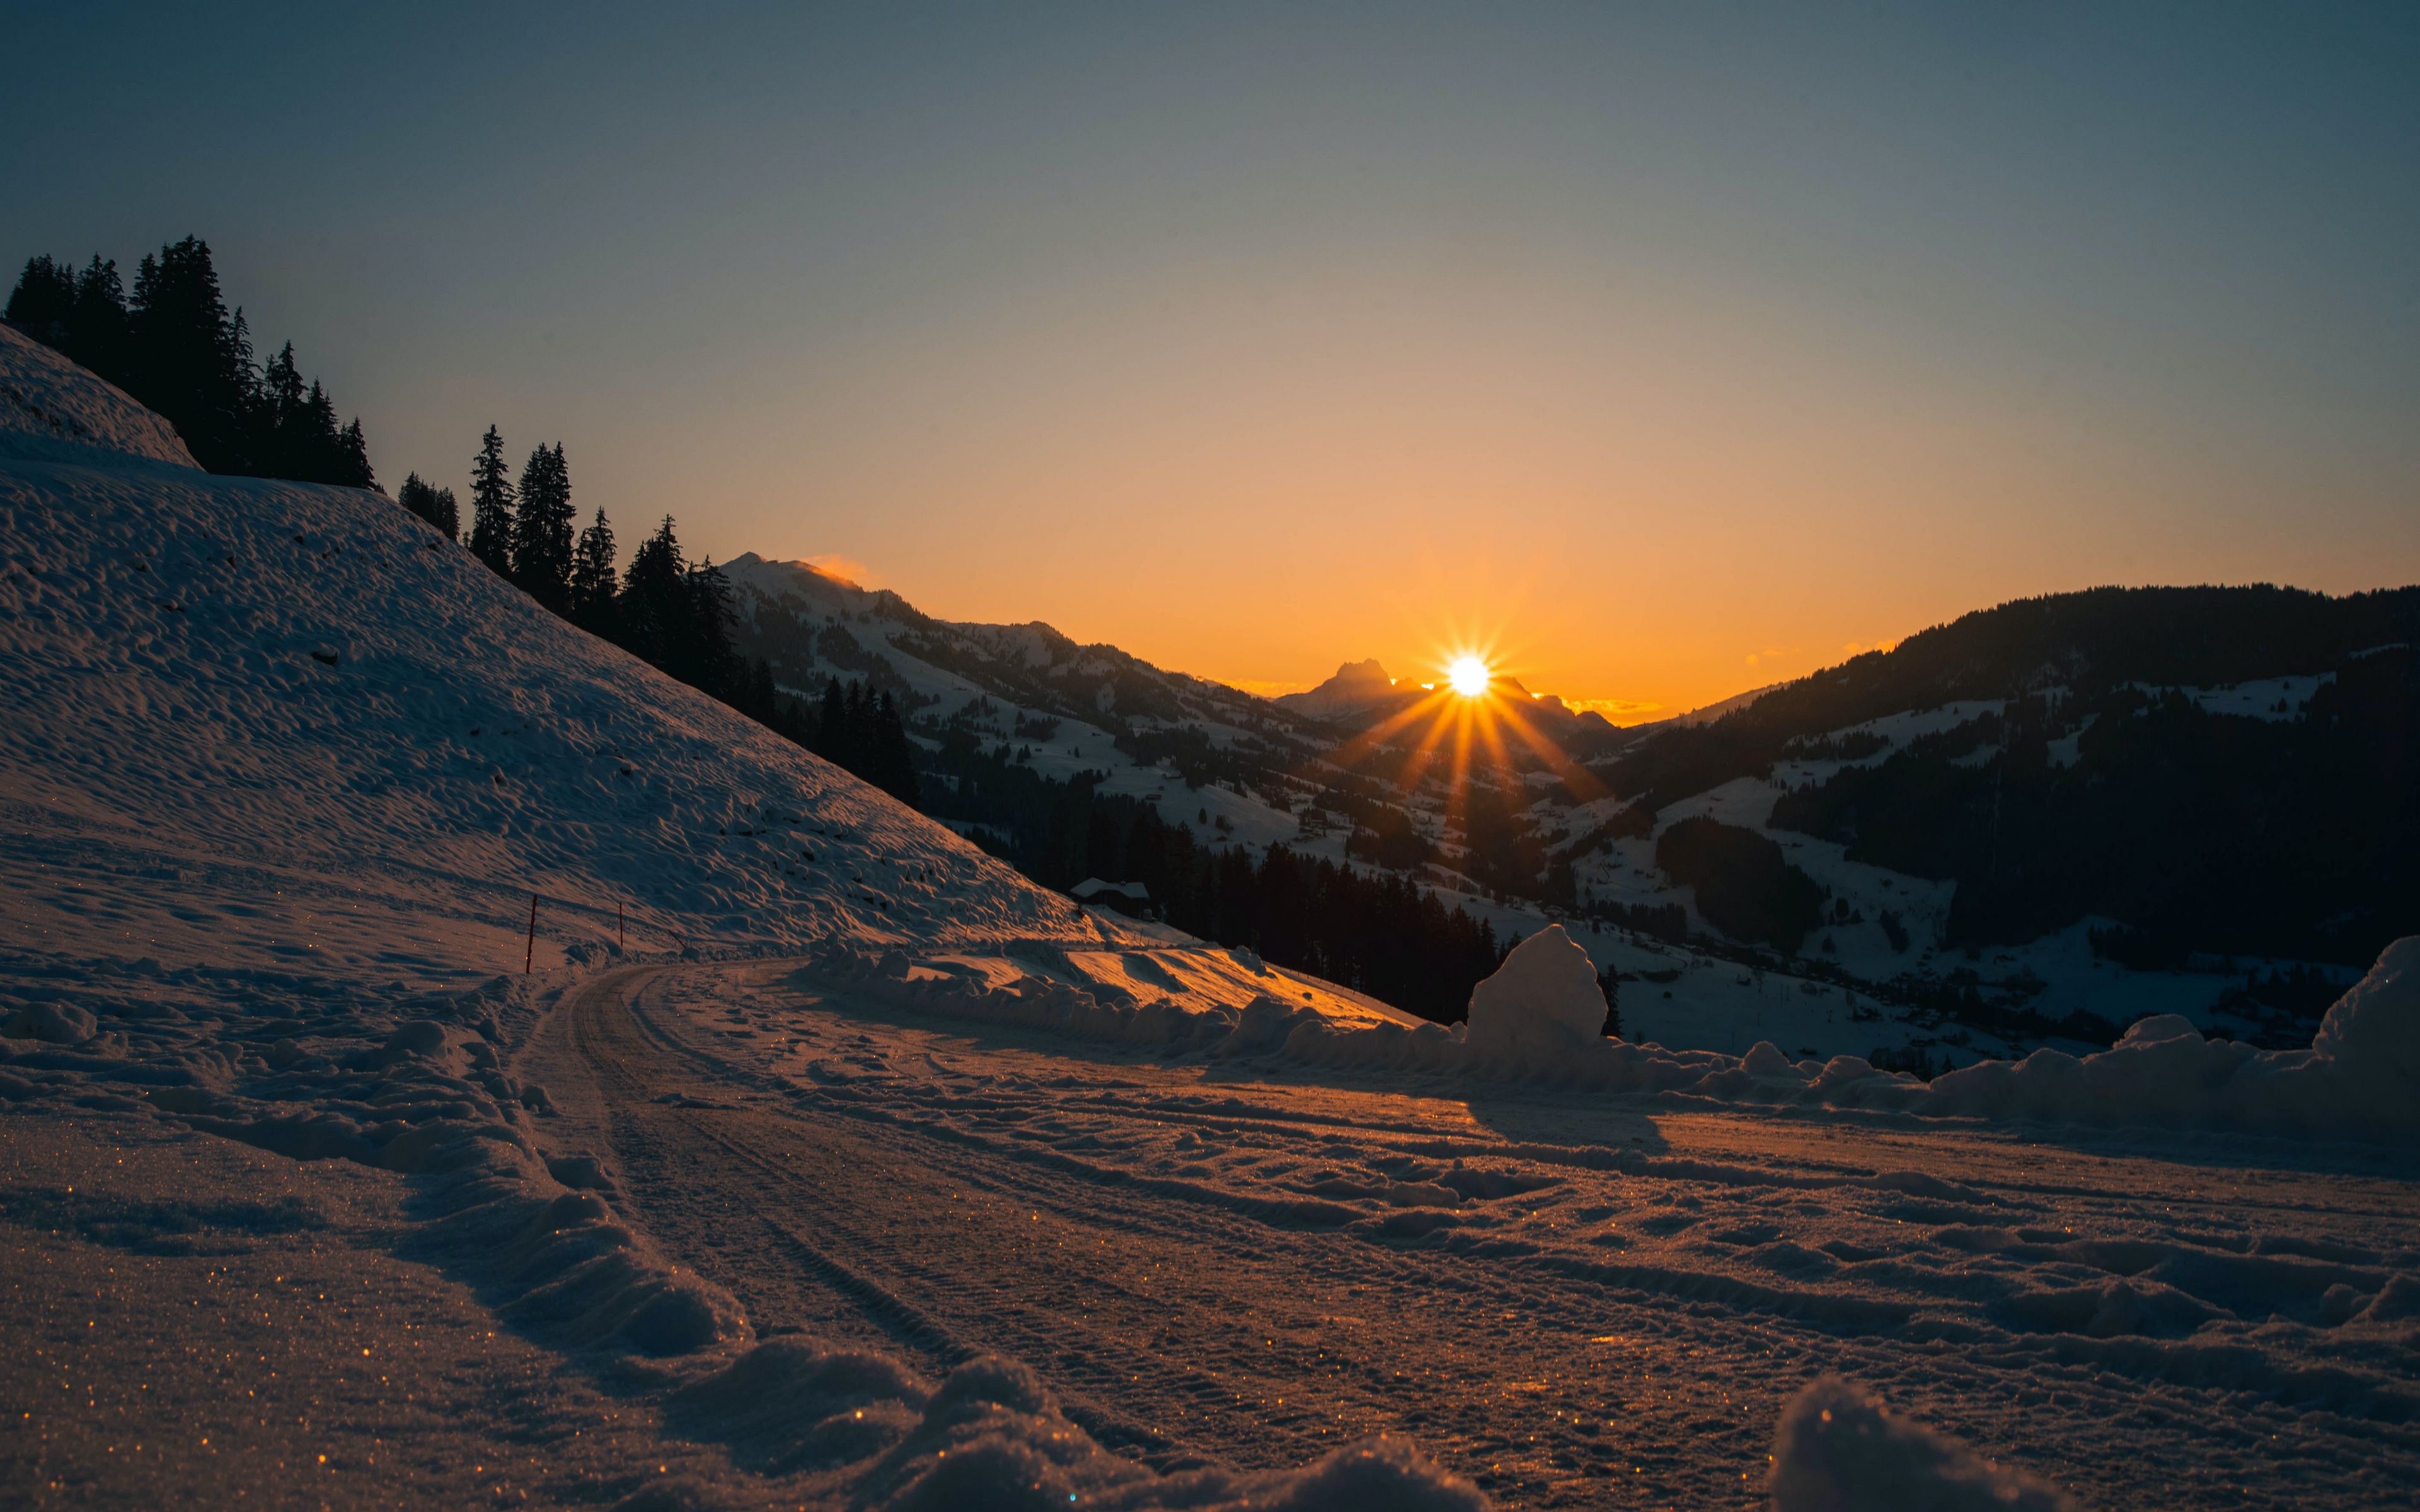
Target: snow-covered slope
(300,727)
(50,408)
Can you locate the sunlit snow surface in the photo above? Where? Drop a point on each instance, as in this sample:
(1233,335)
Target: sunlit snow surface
(868,1174)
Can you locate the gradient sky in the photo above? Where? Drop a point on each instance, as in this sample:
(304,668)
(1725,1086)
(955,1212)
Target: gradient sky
(1672,350)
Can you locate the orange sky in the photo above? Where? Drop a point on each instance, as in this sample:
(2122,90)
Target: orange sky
(1630,490)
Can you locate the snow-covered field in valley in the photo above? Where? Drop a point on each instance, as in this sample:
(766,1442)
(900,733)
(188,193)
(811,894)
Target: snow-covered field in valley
(821,1160)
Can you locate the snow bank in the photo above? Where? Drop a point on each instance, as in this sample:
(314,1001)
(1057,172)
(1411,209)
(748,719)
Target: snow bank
(53,410)
(1838,1450)
(1534,1021)
(2360,1077)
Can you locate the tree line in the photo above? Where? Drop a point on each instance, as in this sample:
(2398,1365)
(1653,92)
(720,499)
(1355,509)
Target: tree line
(1385,935)
(670,613)
(176,346)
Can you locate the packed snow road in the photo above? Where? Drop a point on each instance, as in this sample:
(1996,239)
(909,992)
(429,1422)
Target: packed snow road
(1574,1300)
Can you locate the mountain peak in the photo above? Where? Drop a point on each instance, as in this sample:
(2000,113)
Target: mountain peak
(1356,686)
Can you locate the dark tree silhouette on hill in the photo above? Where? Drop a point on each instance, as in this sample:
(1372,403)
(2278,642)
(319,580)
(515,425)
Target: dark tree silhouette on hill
(190,359)
(594,581)
(653,608)
(178,349)
(542,540)
(434,504)
(491,506)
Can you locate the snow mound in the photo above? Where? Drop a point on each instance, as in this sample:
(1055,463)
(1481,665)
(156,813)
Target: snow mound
(1544,1000)
(51,408)
(1838,1450)
(2373,1033)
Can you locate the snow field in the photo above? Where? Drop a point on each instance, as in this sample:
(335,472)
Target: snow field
(1562,1294)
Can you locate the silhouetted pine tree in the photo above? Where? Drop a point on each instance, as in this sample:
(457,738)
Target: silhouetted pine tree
(282,421)
(179,350)
(491,505)
(652,613)
(189,358)
(81,315)
(42,301)
(353,458)
(542,529)
(594,584)
(431,503)
(709,660)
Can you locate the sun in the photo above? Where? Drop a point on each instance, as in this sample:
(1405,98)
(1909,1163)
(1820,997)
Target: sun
(1468,675)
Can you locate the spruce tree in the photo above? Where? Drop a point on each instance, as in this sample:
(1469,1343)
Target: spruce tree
(318,449)
(542,540)
(284,416)
(81,315)
(430,503)
(491,506)
(353,458)
(97,325)
(651,615)
(712,663)
(44,301)
(593,580)
(190,359)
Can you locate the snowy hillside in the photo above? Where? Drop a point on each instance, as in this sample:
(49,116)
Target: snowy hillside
(221,688)
(51,408)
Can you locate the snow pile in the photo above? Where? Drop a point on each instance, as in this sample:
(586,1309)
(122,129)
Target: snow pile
(1543,1002)
(2359,1078)
(53,410)
(1838,1450)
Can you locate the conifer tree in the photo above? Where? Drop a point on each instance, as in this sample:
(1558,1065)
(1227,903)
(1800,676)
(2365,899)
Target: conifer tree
(316,446)
(190,359)
(96,324)
(491,506)
(282,416)
(710,662)
(651,614)
(431,503)
(542,539)
(44,301)
(353,458)
(593,580)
